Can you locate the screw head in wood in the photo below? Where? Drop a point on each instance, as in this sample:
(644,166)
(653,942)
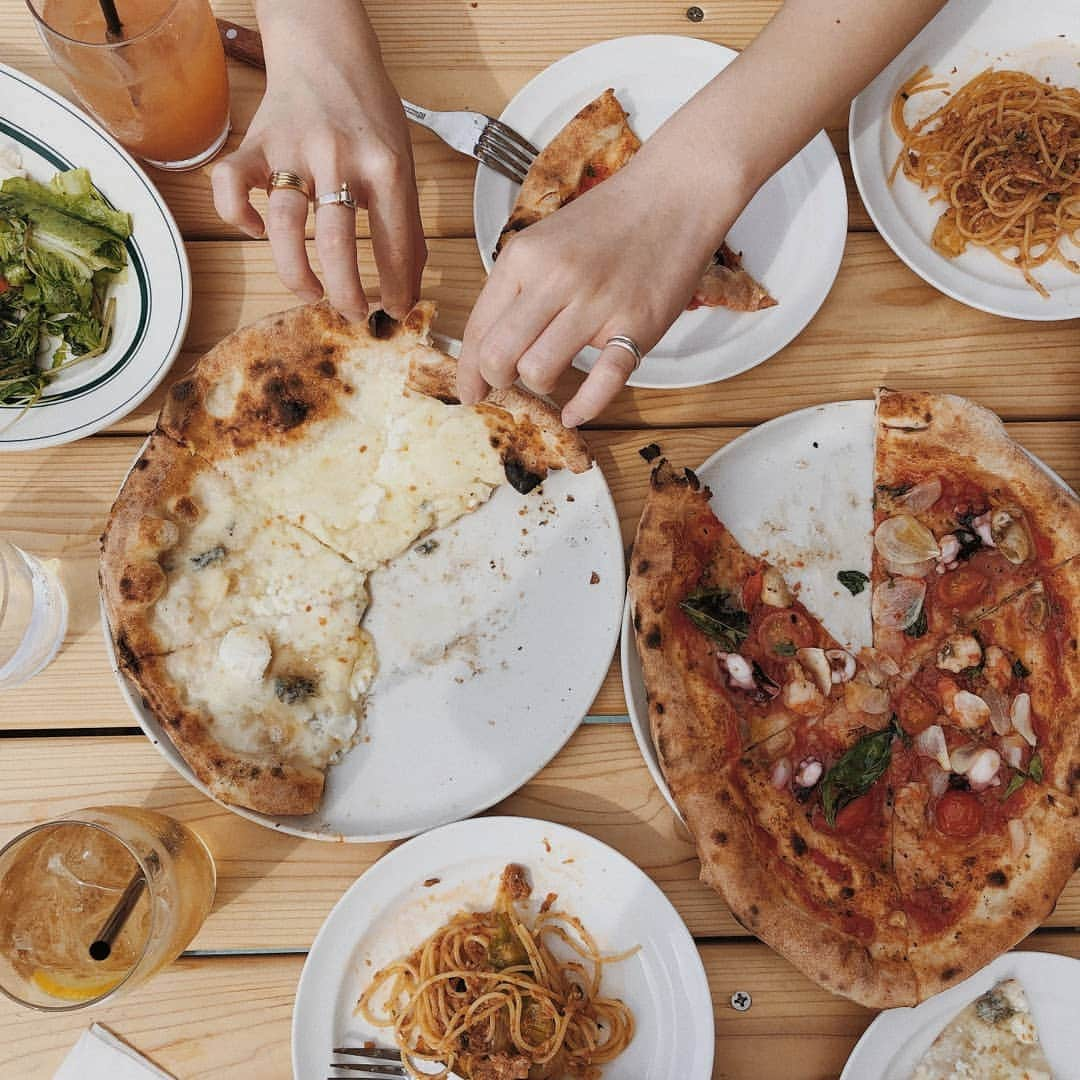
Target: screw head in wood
(741,1000)
(695,14)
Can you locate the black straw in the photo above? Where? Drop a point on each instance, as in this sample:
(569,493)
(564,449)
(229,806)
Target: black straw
(114,28)
(101,947)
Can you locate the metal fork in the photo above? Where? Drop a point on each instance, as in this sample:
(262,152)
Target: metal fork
(371,1064)
(490,141)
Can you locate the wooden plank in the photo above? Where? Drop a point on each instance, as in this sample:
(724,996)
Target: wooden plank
(274,890)
(221,1016)
(881,324)
(482,71)
(54,503)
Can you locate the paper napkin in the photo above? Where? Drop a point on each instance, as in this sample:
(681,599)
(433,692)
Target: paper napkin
(100,1055)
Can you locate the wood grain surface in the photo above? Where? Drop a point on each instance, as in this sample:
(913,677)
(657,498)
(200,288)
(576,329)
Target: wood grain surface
(230,1016)
(67,738)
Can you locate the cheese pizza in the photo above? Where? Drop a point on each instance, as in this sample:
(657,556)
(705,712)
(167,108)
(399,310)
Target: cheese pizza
(299,455)
(889,820)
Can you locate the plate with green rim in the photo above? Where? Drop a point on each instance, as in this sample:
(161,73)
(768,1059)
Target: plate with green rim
(153,301)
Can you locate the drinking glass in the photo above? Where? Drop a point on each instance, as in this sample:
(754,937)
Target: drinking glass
(159,86)
(33,615)
(96,902)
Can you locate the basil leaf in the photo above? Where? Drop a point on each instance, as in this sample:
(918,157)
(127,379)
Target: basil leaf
(918,627)
(784,648)
(856,772)
(853,580)
(1020,669)
(898,730)
(715,614)
(1015,784)
(1035,768)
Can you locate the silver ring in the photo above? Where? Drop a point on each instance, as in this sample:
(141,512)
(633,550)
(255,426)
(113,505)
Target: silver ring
(621,341)
(341,197)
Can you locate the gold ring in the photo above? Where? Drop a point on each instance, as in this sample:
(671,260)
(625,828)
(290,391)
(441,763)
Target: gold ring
(282,178)
(622,341)
(341,197)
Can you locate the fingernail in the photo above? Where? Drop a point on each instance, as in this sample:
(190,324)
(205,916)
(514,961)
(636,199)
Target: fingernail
(571,419)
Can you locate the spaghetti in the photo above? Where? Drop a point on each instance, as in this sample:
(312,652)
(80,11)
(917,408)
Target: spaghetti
(491,999)
(1003,154)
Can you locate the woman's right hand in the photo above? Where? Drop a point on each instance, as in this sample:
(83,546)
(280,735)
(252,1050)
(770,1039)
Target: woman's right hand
(331,115)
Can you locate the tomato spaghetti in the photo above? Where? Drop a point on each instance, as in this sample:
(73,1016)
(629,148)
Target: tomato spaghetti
(1003,154)
(486,996)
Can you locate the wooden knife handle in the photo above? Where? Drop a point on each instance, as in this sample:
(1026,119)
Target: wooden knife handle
(241,43)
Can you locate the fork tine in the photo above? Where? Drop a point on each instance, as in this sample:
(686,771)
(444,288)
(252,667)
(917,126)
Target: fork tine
(510,150)
(369,1070)
(369,1052)
(513,136)
(488,158)
(509,158)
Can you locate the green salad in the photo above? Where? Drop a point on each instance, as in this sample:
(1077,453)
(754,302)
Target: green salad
(61,246)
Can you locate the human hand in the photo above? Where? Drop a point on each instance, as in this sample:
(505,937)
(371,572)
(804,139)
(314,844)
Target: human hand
(330,114)
(622,259)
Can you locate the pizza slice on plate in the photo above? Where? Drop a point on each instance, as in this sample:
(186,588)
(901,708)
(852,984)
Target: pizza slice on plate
(596,143)
(963,519)
(994,1037)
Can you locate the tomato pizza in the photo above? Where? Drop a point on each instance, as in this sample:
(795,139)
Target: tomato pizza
(890,819)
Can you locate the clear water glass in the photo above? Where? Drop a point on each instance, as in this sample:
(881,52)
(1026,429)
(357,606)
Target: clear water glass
(33,614)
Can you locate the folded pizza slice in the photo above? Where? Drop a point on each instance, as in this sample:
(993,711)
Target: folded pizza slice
(351,432)
(596,143)
(995,1036)
(963,519)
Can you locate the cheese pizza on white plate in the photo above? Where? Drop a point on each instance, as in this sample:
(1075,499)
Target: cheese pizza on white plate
(301,454)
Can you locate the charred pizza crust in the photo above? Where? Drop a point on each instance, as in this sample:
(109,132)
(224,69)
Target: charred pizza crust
(276,388)
(595,143)
(923,910)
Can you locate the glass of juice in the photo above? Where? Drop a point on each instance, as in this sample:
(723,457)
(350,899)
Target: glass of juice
(96,902)
(158,83)
(33,614)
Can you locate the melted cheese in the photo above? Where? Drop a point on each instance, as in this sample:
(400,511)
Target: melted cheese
(994,1038)
(395,466)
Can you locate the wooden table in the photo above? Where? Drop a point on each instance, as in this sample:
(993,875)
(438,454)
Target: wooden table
(67,739)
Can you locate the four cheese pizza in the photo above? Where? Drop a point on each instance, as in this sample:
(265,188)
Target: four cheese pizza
(889,820)
(300,454)
(596,143)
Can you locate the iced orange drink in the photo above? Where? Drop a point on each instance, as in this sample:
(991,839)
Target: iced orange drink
(160,86)
(61,886)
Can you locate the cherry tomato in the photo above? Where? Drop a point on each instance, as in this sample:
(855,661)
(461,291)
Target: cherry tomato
(4,286)
(961,587)
(916,711)
(785,628)
(854,816)
(959,815)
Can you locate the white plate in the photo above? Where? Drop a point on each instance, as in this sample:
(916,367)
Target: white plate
(892,1045)
(480,684)
(796,491)
(968,35)
(792,233)
(152,304)
(387,912)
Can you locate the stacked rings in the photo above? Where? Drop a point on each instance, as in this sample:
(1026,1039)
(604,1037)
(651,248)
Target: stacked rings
(342,197)
(621,341)
(282,178)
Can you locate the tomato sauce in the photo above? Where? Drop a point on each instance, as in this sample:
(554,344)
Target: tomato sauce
(929,910)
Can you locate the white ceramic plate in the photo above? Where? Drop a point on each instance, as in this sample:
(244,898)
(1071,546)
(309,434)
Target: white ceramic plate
(796,491)
(152,304)
(892,1045)
(481,683)
(792,233)
(968,36)
(388,912)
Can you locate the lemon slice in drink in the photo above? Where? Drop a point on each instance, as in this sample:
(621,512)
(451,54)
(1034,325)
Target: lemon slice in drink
(74,987)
